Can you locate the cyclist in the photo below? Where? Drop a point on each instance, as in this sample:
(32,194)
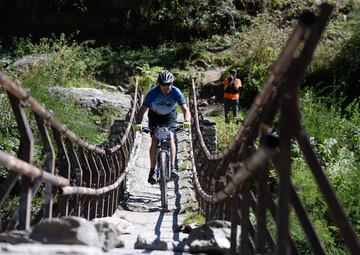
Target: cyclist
(161,102)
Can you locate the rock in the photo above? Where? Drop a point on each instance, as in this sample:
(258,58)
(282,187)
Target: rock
(109,233)
(50,249)
(212,100)
(211,237)
(212,90)
(97,100)
(203,103)
(123,226)
(24,64)
(187,228)
(16,236)
(212,76)
(69,230)
(150,241)
(202,63)
(117,130)
(180,246)
(124,86)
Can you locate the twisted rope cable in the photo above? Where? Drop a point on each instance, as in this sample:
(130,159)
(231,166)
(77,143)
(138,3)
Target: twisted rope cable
(132,117)
(29,170)
(70,190)
(22,167)
(242,172)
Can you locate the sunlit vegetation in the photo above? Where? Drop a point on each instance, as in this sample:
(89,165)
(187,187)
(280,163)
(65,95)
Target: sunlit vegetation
(248,35)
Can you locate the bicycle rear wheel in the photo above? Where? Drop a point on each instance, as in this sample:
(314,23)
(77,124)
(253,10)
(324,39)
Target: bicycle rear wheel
(163,176)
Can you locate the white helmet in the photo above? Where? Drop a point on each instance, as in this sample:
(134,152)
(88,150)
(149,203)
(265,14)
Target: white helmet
(165,77)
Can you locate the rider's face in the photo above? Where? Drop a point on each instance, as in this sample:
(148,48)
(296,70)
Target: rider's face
(165,87)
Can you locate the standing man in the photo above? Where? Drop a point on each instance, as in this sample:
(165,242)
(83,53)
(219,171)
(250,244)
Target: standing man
(161,102)
(232,87)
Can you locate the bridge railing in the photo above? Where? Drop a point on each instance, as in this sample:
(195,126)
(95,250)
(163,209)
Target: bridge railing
(234,183)
(76,178)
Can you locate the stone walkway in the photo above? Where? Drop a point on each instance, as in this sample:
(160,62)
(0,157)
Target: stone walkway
(157,229)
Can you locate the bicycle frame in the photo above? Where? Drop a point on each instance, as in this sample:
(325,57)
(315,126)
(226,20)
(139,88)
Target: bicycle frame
(163,136)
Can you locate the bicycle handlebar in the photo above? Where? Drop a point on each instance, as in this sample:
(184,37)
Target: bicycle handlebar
(176,129)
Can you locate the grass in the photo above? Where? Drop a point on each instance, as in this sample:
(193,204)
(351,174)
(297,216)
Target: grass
(196,217)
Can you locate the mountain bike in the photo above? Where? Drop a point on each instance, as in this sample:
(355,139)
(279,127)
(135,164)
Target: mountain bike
(163,161)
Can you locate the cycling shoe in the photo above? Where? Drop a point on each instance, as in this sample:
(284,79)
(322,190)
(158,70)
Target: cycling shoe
(151,178)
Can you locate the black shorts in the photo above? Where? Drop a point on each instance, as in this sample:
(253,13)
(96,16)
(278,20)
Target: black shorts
(168,120)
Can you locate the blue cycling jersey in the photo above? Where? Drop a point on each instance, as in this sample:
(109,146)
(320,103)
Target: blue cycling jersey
(162,108)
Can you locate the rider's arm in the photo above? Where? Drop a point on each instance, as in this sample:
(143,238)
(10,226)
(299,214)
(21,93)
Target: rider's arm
(238,83)
(186,112)
(140,114)
(225,83)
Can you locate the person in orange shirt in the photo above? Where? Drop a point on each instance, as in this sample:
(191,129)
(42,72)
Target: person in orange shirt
(232,87)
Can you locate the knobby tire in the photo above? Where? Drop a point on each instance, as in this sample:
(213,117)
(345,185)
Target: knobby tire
(163,176)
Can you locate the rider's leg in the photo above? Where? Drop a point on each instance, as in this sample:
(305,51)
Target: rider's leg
(152,153)
(174,174)
(226,110)
(173,149)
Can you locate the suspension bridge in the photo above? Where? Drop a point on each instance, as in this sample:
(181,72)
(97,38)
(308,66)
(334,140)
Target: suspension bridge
(90,181)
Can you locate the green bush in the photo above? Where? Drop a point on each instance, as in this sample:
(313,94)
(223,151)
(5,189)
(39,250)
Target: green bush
(69,63)
(335,141)
(148,76)
(196,217)
(335,68)
(225,132)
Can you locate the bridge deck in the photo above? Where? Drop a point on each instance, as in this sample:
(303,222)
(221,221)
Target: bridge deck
(142,207)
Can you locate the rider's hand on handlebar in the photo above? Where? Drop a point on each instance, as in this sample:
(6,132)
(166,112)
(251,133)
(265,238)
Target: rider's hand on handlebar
(186,124)
(138,127)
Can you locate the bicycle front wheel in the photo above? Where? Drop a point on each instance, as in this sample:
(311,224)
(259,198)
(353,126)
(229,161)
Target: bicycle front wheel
(164,164)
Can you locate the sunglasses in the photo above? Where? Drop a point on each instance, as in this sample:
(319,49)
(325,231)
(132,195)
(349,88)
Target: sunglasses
(165,84)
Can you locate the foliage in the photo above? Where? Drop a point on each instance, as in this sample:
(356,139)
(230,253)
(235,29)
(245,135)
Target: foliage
(196,217)
(182,166)
(8,209)
(226,131)
(198,18)
(68,64)
(335,69)
(9,139)
(148,76)
(336,141)
(335,147)
(260,46)
(123,63)
(217,112)
(12,204)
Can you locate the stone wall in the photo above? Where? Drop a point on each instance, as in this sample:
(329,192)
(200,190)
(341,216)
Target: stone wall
(208,130)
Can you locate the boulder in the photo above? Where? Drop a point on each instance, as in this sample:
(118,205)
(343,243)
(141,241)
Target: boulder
(123,226)
(50,249)
(26,63)
(213,236)
(109,234)
(69,230)
(150,241)
(98,100)
(16,236)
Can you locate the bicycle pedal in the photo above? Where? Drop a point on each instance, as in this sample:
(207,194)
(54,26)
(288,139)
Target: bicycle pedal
(173,176)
